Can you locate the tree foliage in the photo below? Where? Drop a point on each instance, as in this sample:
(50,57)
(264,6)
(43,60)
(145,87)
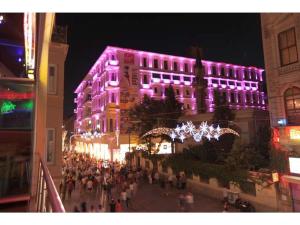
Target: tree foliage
(222,113)
(152,113)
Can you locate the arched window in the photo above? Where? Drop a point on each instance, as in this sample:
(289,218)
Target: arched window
(292,105)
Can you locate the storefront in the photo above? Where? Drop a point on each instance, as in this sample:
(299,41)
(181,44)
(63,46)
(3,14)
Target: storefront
(294,182)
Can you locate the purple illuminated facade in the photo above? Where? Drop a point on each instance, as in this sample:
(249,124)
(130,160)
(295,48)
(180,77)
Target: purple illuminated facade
(121,77)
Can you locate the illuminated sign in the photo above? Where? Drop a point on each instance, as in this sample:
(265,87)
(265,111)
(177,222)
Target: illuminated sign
(294,165)
(294,134)
(7,106)
(275,177)
(281,122)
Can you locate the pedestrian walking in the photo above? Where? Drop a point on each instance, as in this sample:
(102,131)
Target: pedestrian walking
(119,206)
(92,209)
(112,206)
(76,209)
(181,202)
(128,198)
(124,197)
(189,199)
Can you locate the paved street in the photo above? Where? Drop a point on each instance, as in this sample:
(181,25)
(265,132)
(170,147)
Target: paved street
(149,198)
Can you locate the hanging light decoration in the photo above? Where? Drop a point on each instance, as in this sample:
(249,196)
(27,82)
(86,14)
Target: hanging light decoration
(188,129)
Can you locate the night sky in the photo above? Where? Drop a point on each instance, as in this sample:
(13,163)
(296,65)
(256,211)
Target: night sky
(233,38)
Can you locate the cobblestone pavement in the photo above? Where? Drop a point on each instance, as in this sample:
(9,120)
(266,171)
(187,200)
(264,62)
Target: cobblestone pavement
(149,198)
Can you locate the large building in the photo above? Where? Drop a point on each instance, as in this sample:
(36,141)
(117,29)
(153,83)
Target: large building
(121,77)
(280,33)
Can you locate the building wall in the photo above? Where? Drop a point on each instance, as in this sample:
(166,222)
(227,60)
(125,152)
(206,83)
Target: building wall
(57,56)
(121,77)
(279,78)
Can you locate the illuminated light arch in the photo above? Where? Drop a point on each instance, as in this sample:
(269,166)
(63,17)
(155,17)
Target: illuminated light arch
(188,129)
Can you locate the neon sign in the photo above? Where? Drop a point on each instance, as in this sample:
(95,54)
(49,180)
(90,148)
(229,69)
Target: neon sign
(7,106)
(295,134)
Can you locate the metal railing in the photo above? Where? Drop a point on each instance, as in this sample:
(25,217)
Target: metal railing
(48,199)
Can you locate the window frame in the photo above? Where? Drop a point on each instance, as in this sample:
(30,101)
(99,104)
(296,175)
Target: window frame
(280,49)
(55,80)
(294,109)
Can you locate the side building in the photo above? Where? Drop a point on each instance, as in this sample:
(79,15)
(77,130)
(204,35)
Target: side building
(121,77)
(281,41)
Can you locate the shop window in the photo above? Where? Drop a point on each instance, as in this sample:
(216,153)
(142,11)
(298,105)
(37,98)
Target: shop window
(292,105)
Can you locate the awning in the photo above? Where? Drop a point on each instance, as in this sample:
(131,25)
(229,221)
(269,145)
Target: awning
(292,179)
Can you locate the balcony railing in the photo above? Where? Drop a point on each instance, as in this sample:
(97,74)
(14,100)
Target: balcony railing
(48,199)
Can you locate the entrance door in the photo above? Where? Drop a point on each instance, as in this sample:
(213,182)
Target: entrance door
(296,196)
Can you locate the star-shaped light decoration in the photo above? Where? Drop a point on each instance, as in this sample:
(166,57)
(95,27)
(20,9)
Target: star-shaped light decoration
(211,128)
(173,135)
(177,129)
(190,127)
(203,127)
(216,136)
(208,136)
(181,137)
(218,129)
(197,136)
(183,127)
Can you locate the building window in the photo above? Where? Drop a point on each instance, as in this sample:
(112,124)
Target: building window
(52,79)
(144,62)
(50,145)
(112,57)
(188,106)
(186,68)
(187,79)
(240,98)
(165,65)
(145,79)
(111,125)
(176,78)
(248,98)
(113,97)
(187,92)
(175,66)
(231,73)
(222,71)
(155,75)
(232,97)
(177,92)
(166,77)
(113,77)
(287,47)
(214,70)
(155,90)
(155,64)
(292,105)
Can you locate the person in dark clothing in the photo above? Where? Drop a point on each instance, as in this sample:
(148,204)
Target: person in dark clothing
(83,207)
(76,209)
(112,206)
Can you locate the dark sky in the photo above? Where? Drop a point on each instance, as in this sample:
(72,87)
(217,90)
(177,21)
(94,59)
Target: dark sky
(228,37)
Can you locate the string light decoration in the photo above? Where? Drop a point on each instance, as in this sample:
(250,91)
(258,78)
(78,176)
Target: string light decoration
(188,129)
(91,135)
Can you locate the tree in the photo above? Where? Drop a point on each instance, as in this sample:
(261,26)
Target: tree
(262,143)
(153,113)
(222,113)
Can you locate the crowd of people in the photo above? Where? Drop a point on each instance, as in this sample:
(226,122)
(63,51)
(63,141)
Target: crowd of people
(115,185)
